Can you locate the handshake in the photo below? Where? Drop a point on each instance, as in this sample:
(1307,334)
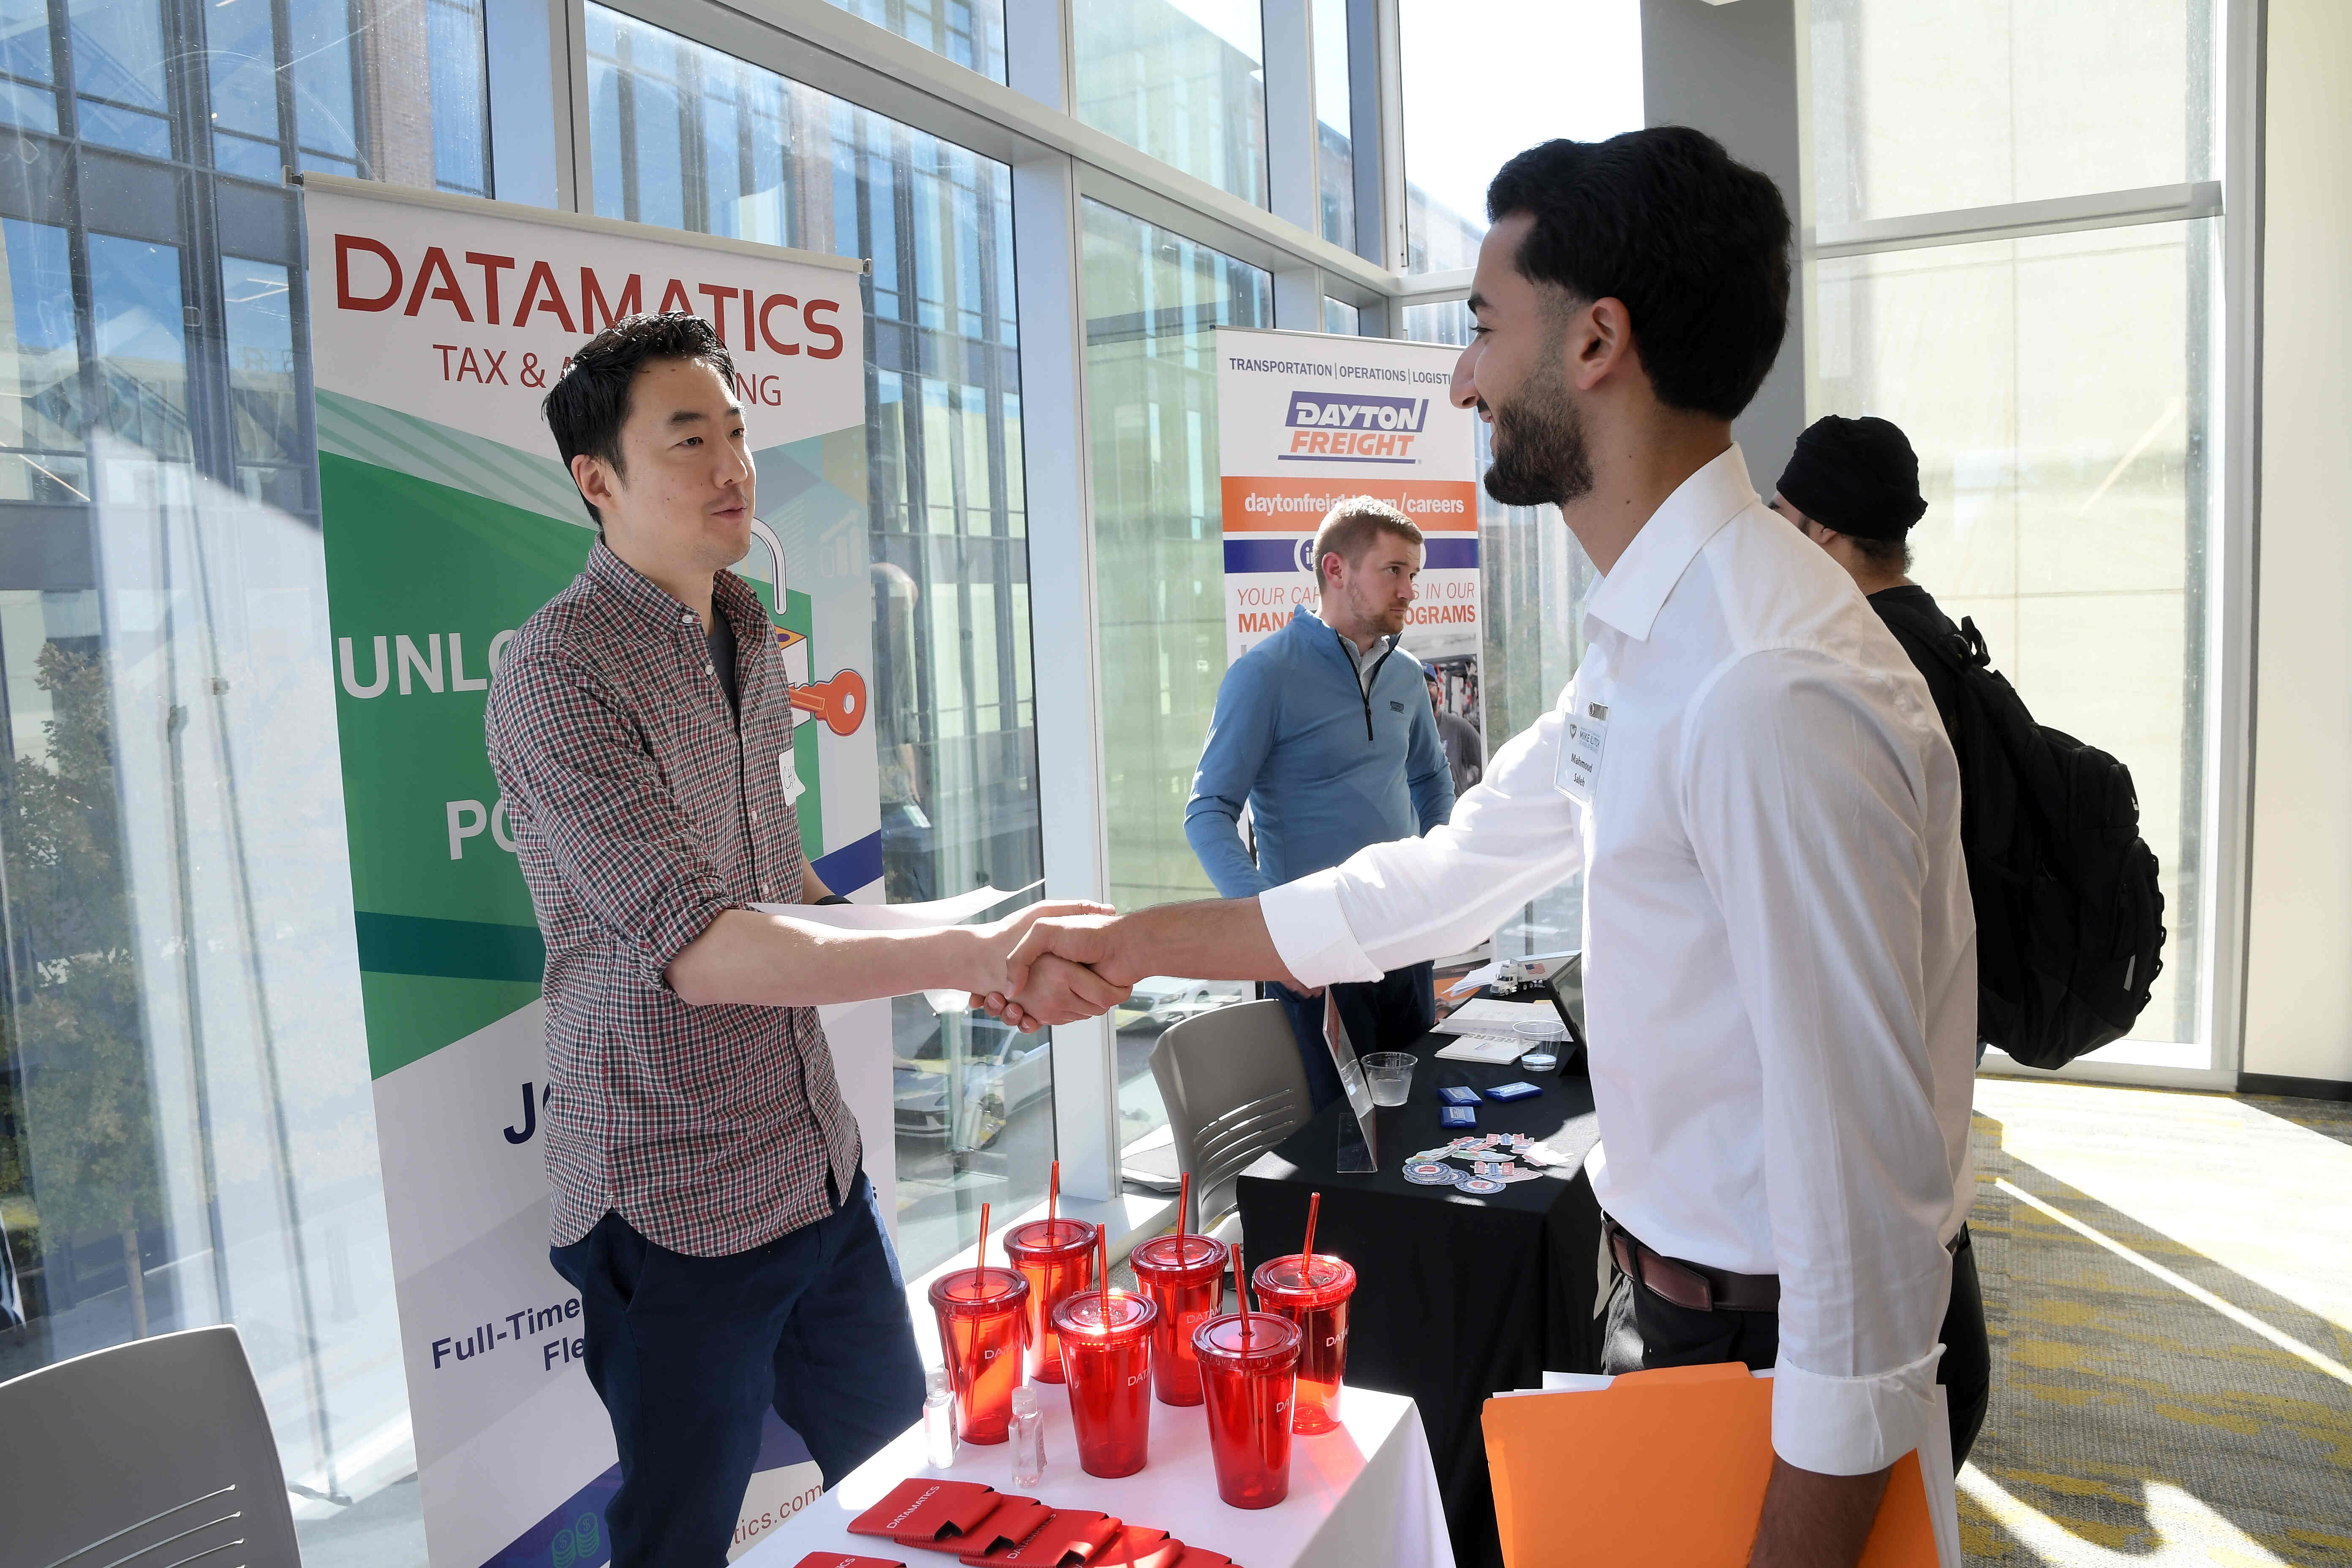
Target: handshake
(1054,963)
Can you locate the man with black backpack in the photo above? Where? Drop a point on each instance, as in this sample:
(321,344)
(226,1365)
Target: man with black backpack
(2069,919)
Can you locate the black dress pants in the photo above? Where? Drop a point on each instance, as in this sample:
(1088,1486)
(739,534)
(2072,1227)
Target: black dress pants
(1648,1331)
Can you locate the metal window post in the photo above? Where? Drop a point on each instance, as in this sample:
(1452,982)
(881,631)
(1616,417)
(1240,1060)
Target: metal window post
(1048,282)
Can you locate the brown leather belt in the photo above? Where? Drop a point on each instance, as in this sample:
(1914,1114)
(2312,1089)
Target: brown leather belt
(1690,1285)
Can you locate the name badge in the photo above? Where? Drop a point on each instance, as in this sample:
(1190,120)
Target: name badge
(791,775)
(1580,744)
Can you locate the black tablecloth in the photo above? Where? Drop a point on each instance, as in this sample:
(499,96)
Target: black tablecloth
(1456,1297)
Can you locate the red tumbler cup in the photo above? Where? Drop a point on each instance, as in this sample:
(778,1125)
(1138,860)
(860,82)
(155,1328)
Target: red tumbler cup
(1318,1305)
(1057,1258)
(984,1323)
(1107,1348)
(1185,1277)
(1248,1385)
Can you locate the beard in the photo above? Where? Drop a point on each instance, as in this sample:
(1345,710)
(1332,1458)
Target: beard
(1540,455)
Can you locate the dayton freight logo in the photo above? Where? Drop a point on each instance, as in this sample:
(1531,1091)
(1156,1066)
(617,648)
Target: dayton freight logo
(1353,427)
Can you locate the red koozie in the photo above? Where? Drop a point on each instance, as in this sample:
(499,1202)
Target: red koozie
(1318,1305)
(847,1560)
(1016,1519)
(1248,1379)
(1057,1258)
(983,1322)
(926,1510)
(1071,1536)
(1107,1348)
(1185,1277)
(1139,1548)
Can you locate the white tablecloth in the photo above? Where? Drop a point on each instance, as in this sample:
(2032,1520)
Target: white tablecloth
(1362,1497)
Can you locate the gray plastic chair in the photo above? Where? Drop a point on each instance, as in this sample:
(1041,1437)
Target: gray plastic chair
(147,1455)
(1235,1087)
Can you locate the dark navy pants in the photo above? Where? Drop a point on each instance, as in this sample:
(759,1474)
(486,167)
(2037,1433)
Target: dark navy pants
(687,1354)
(1384,1015)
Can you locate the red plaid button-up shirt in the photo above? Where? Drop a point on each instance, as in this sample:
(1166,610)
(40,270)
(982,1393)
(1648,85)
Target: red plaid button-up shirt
(641,809)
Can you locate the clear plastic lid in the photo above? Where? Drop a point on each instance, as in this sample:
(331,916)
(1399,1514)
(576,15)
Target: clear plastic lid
(976,1293)
(1180,1259)
(1049,1238)
(1278,1284)
(1272,1344)
(1082,1316)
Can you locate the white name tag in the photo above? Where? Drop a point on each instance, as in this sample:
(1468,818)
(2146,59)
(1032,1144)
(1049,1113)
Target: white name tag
(791,775)
(1581,744)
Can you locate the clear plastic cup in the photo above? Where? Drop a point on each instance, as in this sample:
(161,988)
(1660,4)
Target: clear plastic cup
(1107,1348)
(1390,1075)
(1057,1258)
(1248,1386)
(1185,1277)
(1318,1305)
(984,1323)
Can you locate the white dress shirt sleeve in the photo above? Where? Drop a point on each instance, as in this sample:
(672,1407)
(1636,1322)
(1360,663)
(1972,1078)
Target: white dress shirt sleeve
(1804,802)
(1512,835)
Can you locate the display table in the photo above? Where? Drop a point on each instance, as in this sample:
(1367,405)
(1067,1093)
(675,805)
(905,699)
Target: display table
(1456,1297)
(1361,1496)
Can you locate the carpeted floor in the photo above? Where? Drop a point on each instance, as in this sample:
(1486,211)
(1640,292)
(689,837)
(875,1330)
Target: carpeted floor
(2167,1279)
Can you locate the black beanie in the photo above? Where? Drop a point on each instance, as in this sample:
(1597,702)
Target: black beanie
(1855,475)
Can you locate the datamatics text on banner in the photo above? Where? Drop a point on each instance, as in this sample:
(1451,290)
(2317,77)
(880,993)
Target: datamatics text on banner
(436,326)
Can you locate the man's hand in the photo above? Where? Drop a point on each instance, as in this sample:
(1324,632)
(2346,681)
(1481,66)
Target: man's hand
(1038,995)
(1813,1520)
(1212,940)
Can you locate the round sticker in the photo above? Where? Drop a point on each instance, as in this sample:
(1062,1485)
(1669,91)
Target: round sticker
(1481,1186)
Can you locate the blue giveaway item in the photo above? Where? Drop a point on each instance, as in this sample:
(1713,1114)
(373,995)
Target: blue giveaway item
(1457,1116)
(1512,1091)
(1458,1095)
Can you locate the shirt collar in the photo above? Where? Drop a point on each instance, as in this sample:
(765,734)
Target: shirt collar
(1634,590)
(729,595)
(1358,656)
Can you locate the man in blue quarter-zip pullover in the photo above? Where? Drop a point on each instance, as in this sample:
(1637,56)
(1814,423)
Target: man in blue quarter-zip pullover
(1325,730)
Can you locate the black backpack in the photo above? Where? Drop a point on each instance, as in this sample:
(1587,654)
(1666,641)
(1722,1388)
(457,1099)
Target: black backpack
(2070,921)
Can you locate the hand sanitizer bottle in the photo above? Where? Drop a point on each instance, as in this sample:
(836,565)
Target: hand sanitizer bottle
(1028,1438)
(938,1422)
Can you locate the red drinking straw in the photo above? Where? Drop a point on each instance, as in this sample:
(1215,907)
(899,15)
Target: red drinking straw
(1241,1288)
(1102,1265)
(1053,1198)
(1306,1247)
(980,1263)
(1183,1210)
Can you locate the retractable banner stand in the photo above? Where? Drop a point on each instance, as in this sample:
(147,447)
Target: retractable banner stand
(437,325)
(1304,419)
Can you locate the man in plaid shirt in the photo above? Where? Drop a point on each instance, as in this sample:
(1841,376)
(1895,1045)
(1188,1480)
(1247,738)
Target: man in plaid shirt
(709,1200)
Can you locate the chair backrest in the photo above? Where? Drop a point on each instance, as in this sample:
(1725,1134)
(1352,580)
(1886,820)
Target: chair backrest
(145,1454)
(1235,1087)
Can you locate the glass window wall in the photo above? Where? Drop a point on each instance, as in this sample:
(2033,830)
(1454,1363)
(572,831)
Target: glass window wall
(1509,62)
(1920,109)
(969,32)
(1335,156)
(1153,302)
(1183,81)
(685,136)
(186,1125)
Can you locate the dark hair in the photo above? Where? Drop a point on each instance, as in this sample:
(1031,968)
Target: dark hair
(1887,554)
(1694,244)
(588,406)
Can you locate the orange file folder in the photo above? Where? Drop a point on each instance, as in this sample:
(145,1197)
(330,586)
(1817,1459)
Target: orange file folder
(1665,1467)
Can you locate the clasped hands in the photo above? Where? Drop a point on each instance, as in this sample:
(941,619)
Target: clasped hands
(1054,963)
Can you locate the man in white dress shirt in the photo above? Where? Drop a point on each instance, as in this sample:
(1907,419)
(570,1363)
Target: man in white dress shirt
(1780,962)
